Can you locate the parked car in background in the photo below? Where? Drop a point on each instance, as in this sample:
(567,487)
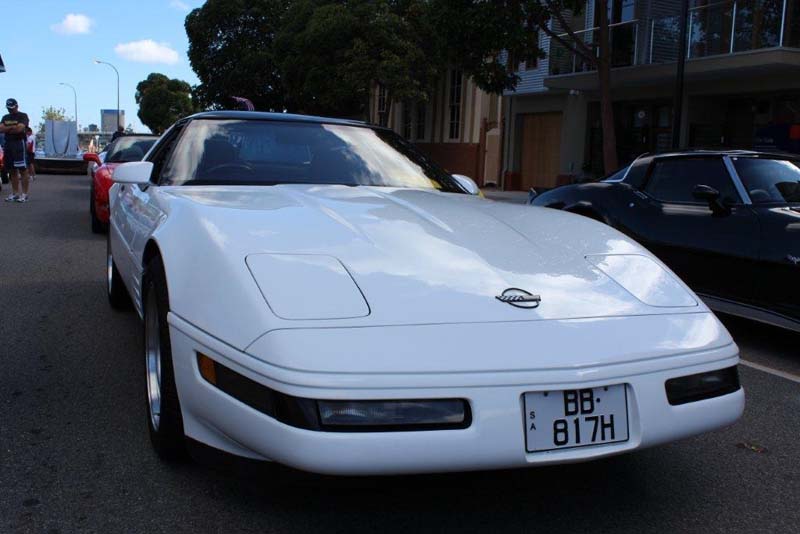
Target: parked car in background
(318,293)
(727,222)
(101,169)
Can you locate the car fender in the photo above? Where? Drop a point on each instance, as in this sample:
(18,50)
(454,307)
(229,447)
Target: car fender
(203,269)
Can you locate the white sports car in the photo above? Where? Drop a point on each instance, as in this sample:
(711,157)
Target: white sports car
(317,293)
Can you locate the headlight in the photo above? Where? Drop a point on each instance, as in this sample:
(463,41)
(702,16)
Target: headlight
(644,279)
(307,286)
(394,413)
(334,415)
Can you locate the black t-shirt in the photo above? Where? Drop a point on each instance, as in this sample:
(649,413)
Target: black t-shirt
(12,119)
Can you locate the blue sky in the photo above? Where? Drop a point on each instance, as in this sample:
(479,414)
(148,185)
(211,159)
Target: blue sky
(52,41)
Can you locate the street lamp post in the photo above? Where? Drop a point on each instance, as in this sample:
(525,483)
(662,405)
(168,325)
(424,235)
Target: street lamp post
(75,94)
(97,61)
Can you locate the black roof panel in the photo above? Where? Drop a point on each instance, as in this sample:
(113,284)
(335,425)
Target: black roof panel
(718,152)
(264,116)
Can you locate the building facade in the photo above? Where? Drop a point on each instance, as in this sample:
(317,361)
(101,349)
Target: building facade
(458,127)
(742,87)
(109,121)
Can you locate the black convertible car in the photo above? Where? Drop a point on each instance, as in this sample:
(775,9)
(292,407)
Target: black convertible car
(727,222)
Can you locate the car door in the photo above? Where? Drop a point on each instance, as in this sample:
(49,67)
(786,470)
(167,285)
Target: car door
(773,185)
(135,215)
(713,249)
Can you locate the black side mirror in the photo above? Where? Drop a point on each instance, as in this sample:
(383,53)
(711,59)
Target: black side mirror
(705,193)
(712,197)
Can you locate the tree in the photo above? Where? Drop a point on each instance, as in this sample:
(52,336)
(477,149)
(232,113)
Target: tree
(324,56)
(230,50)
(162,101)
(52,113)
(332,53)
(599,59)
(475,35)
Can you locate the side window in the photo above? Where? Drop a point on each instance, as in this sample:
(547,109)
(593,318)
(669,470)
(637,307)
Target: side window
(163,151)
(769,180)
(674,180)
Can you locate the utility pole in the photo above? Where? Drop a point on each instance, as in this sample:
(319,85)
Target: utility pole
(97,61)
(682,51)
(74,94)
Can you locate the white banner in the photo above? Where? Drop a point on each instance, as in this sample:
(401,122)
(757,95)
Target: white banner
(60,138)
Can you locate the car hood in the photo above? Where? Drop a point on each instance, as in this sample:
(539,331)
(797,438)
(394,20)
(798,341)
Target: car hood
(415,256)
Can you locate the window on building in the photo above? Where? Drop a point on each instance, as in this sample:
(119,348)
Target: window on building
(532,61)
(414,116)
(619,11)
(422,115)
(511,62)
(455,104)
(408,126)
(674,180)
(383,106)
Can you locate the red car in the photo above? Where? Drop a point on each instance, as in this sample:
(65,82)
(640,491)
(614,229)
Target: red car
(3,173)
(122,150)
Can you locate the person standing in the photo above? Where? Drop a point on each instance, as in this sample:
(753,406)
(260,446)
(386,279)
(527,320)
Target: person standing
(119,133)
(13,126)
(30,152)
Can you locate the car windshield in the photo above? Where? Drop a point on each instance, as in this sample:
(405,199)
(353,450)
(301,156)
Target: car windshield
(769,181)
(262,152)
(129,148)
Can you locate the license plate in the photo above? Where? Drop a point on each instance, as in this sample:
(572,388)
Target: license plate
(575,417)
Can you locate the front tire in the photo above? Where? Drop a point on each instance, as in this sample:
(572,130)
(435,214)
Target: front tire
(117,294)
(164,419)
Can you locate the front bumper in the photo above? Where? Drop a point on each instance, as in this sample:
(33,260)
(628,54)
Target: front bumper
(494,440)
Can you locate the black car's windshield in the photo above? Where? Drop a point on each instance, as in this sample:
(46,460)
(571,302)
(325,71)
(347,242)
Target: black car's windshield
(129,148)
(769,181)
(262,152)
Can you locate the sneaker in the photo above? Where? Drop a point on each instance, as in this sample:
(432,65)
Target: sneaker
(22,198)
(11,198)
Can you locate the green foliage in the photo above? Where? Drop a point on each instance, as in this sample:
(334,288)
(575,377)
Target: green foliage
(162,101)
(324,56)
(52,113)
(230,50)
(331,54)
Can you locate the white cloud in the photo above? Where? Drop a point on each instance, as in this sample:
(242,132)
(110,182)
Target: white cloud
(147,51)
(180,6)
(73,24)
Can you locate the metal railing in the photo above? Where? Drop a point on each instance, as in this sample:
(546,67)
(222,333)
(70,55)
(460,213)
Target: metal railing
(727,27)
(721,27)
(624,40)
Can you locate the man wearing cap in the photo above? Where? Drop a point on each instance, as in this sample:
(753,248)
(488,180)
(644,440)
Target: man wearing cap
(14,160)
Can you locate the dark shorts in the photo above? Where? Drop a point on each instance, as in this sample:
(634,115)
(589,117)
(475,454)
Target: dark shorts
(14,155)
(31,156)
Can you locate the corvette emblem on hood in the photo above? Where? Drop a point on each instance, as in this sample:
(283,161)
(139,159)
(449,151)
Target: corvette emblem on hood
(519,298)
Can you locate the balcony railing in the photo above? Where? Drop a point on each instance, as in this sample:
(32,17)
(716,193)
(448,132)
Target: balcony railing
(727,27)
(624,40)
(723,27)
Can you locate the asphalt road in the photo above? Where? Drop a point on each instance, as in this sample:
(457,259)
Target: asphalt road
(75,456)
